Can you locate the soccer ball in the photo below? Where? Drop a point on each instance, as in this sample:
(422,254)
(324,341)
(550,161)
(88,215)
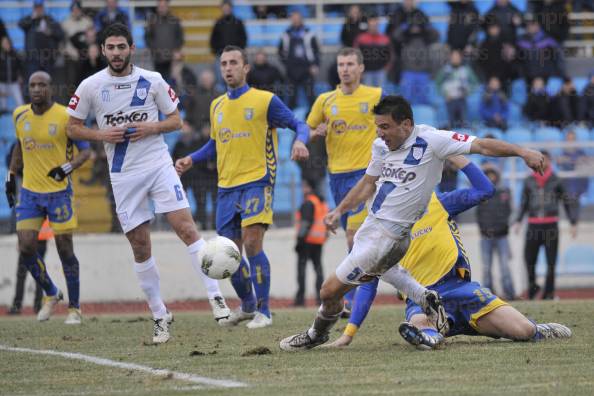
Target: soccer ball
(219,258)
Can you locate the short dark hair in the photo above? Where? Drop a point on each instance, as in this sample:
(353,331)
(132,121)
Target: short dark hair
(229,48)
(116,29)
(347,51)
(396,106)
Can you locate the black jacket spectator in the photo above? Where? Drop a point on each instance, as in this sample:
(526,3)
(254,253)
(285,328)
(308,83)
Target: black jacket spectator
(566,105)
(198,100)
(110,14)
(228,30)
(552,16)
(10,65)
(264,75)
(587,102)
(505,15)
(3,31)
(43,35)
(493,214)
(538,105)
(463,25)
(355,23)
(164,35)
(496,57)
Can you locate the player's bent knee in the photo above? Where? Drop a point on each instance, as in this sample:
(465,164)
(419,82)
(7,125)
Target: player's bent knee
(523,331)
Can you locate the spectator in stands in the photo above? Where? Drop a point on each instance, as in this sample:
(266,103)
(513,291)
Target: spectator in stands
(493,219)
(552,16)
(566,105)
(456,81)
(10,76)
(377,53)
(311,236)
(587,102)
(354,24)
(496,57)
(90,55)
(314,168)
(507,16)
(198,102)
(264,11)
(43,36)
(463,26)
(3,32)
(164,36)
(580,5)
(494,105)
(408,28)
(539,53)
(202,177)
(541,196)
(183,80)
(108,15)
(228,30)
(75,30)
(572,159)
(538,105)
(264,75)
(300,53)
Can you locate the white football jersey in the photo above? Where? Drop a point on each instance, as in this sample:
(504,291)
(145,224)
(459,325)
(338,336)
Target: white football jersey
(408,176)
(137,97)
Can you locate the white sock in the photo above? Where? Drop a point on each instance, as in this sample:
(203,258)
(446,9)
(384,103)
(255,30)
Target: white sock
(403,281)
(148,277)
(212,285)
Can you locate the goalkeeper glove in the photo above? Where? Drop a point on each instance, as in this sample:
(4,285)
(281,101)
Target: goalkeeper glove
(10,189)
(59,173)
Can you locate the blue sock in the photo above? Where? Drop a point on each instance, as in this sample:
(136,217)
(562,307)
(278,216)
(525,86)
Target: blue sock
(36,267)
(242,283)
(72,275)
(349,296)
(362,302)
(261,280)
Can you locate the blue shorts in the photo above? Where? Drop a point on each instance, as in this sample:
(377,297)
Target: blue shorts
(33,208)
(464,301)
(340,185)
(241,207)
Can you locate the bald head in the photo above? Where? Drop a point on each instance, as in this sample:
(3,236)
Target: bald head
(41,75)
(40,88)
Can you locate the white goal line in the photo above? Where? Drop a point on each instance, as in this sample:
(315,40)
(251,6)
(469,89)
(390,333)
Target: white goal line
(196,379)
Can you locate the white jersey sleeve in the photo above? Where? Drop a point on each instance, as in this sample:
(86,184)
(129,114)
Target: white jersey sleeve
(165,97)
(80,104)
(378,151)
(447,143)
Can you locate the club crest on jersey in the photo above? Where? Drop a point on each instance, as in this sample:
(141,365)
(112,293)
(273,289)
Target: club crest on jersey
(248,113)
(52,129)
(417,153)
(334,110)
(364,107)
(105,96)
(141,92)
(220,117)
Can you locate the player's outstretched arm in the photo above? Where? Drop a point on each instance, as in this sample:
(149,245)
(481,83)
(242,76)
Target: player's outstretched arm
(361,192)
(76,130)
(499,148)
(139,130)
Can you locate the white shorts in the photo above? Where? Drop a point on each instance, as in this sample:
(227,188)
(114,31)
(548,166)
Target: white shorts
(132,193)
(375,250)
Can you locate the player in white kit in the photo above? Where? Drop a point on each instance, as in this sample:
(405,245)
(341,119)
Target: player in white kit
(126,101)
(406,165)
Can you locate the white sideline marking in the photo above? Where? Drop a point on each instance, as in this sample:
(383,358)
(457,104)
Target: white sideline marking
(131,366)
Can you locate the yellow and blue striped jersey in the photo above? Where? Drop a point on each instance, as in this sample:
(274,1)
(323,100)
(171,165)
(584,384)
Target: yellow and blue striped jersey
(246,145)
(351,127)
(44,145)
(435,246)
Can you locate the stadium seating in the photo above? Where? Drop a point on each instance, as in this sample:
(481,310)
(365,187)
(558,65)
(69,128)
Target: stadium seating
(424,114)
(580,84)
(577,260)
(554,85)
(518,91)
(581,134)
(518,135)
(547,134)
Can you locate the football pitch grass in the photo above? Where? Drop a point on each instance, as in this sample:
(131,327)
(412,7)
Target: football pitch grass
(378,361)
